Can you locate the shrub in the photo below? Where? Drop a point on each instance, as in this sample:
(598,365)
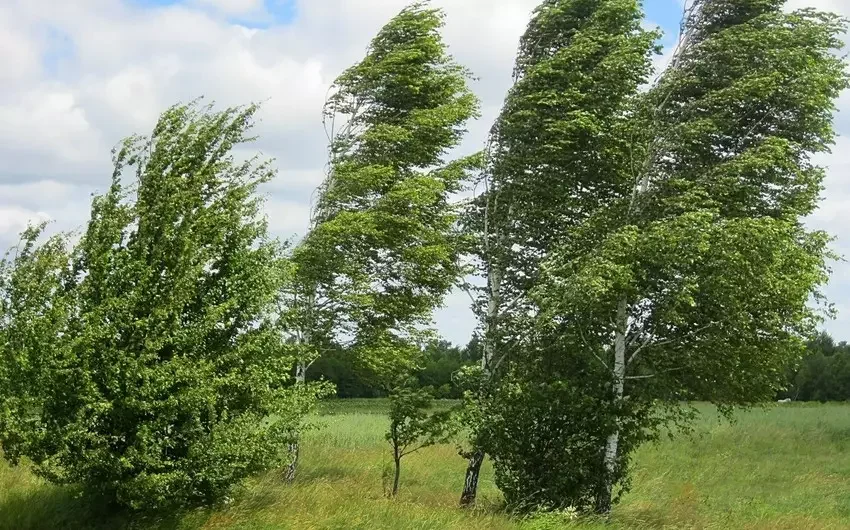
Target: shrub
(161,378)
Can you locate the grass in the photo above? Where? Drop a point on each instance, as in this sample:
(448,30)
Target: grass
(779,468)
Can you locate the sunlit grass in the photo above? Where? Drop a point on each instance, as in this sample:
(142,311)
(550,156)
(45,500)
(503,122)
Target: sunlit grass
(780,468)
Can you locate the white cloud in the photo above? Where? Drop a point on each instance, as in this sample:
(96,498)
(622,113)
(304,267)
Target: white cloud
(14,219)
(20,53)
(124,63)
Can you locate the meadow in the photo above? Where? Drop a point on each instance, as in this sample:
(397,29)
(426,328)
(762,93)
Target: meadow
(782,467)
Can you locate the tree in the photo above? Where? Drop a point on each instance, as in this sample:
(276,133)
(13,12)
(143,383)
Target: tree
(383,249)
(162,379)
(441,361)
(551,154)
(34,311)
(413,428)
(693,278)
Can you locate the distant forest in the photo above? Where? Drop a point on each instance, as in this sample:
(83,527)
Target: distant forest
(822,375)
(441,360)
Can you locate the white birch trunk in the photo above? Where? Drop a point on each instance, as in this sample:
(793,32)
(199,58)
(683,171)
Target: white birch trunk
(301,367)
(294,445)
(300,372)
(473,468)
(618,384)
(494,280)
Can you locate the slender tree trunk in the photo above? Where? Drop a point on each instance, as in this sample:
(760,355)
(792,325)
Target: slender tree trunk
(473,468)
(397,475)
(604,499)
(294,446)
(494,286)
(470,484)
(293,464)
(300,373)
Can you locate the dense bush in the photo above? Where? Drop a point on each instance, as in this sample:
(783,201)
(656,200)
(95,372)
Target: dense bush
(546,425)
(155,373)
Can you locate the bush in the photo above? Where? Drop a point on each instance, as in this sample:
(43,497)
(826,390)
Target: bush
(158,376)
(545,426)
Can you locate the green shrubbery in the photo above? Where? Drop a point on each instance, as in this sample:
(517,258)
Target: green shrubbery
(146,363)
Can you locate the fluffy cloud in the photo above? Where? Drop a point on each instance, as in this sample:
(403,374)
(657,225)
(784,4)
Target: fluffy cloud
(79,76)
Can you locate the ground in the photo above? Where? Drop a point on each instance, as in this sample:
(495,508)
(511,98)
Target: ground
(782,467)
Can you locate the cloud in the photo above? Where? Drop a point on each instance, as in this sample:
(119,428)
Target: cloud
(79,76)
(14,219)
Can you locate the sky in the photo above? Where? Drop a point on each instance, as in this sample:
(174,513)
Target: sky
(77,76)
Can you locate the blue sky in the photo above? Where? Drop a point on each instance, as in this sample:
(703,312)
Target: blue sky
(665,13)
(269,13)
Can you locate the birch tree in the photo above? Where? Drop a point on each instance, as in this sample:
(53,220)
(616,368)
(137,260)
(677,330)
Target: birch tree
(693,280)
(551,154)
(384,248)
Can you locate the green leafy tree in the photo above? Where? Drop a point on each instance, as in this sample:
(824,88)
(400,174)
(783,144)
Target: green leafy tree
(413,427)
(383,249)
(560,137)
(692,278)
(34,312)
(164,378)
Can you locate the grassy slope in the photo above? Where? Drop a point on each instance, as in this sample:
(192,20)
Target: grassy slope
(781,468)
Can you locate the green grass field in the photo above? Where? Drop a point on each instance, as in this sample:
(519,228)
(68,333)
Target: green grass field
(780,468)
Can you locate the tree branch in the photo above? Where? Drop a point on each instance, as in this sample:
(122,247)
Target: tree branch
(648,342)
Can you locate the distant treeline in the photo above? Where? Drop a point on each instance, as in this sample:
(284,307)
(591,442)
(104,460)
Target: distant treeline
(824,374)
(440,361)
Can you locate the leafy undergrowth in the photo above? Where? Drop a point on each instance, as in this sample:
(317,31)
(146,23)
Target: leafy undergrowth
(781,468)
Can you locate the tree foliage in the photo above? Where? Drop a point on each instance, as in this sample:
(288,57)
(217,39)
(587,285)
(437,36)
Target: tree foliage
(823,374)
(158,375)
(683,269)
(413,427)
(384,249)
(556,152)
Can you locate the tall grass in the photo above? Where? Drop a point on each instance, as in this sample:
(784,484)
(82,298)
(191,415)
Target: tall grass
(779,468)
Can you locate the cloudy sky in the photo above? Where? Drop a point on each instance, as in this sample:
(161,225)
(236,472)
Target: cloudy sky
(76,76)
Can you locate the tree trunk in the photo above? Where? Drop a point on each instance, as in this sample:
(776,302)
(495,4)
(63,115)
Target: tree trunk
(470,484)
(604,498)
(300,373)
(293,465)
(294,449)
(494,286)
(473,468)
(397,475)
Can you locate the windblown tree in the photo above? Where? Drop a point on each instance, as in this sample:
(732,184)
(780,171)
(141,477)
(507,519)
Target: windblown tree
(692,279)
(34,312)
(383,250)
(552,153)
(156,368)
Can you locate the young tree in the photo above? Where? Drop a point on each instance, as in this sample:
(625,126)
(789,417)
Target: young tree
(165,381)
(692,280)
(383,249)
(552,151)
(413,428)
